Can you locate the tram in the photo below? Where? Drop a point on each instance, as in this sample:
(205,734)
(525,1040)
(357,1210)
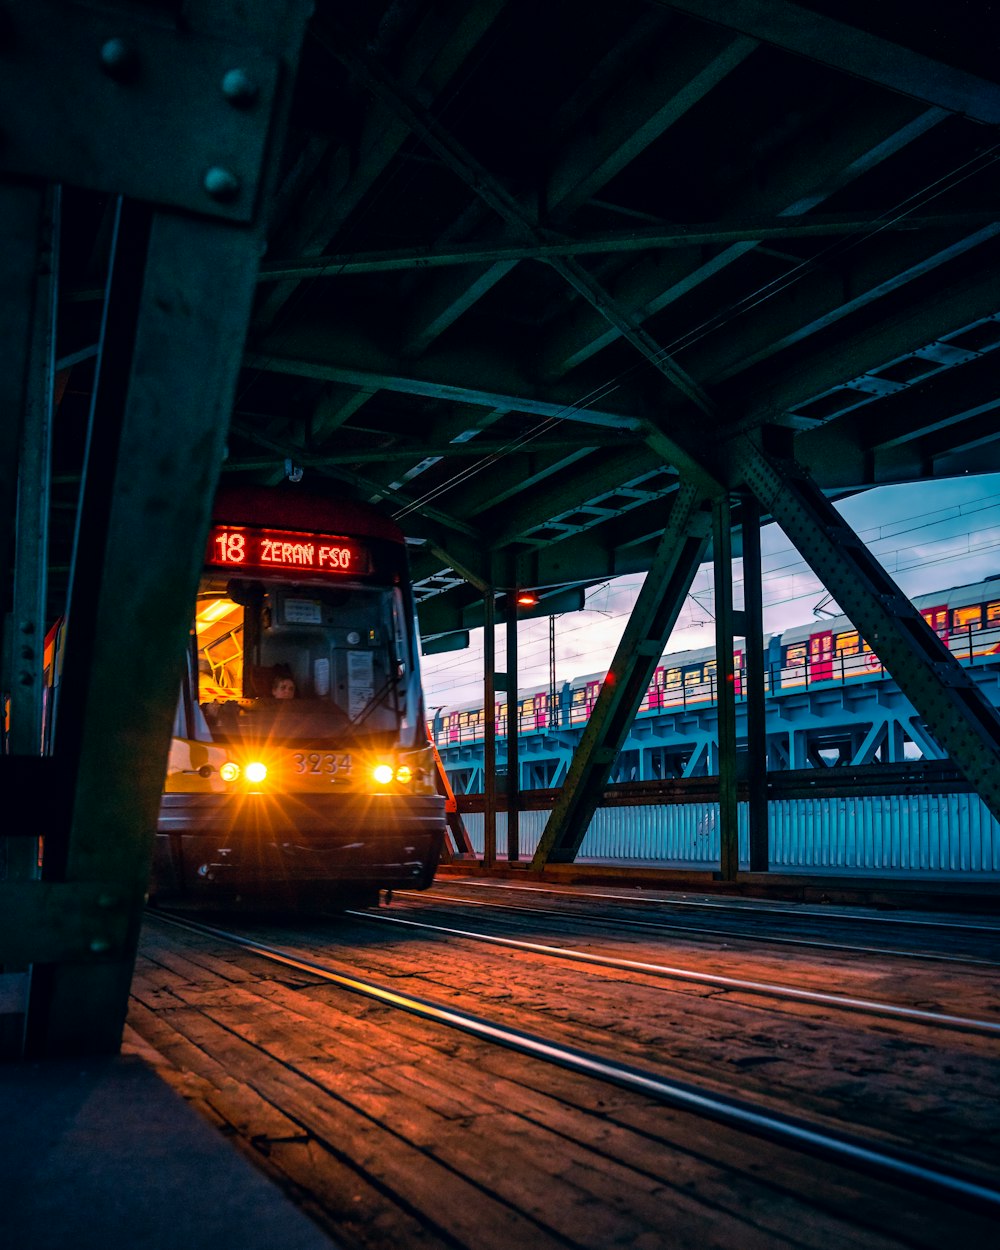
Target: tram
(300,765)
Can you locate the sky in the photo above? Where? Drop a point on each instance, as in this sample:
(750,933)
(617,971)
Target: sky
(928,537)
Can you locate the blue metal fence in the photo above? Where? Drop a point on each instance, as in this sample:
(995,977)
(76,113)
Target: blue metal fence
(952,834)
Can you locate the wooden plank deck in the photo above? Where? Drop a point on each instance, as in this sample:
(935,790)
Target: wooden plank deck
(391,1131)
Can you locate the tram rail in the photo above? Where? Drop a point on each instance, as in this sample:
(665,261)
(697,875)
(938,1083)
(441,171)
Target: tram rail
(651,925)
(739,905)
(868,1157)
(845,1002)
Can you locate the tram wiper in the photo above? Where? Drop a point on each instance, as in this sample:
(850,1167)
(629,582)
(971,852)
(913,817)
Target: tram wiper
(376,699)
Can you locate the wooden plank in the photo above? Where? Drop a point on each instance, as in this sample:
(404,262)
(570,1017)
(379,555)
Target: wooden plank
(402,1170)
(529,1173)
(332,1192)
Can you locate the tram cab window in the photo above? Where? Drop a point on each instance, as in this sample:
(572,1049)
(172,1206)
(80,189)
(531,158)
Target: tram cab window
(346,649)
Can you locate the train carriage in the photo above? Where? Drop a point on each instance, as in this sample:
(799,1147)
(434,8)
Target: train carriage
(965,618)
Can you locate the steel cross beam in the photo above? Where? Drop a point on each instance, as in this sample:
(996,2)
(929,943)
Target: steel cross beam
(944,695)
(462,163)
(667,583)
(759,229)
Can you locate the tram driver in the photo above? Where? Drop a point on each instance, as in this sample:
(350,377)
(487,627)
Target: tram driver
(282,684)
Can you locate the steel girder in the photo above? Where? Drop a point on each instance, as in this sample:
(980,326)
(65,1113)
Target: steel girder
(681,550)
(175,319)
(950,703)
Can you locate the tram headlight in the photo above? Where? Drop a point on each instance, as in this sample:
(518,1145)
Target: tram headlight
(404,774)
(256,772)
(383,774)
(229,771)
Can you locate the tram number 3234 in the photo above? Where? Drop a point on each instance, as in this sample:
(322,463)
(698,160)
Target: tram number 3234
(331,762)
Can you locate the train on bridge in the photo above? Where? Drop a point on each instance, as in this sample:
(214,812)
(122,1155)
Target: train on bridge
(965,618)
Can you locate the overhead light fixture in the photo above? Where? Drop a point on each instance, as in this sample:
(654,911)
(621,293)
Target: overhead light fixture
(526,598)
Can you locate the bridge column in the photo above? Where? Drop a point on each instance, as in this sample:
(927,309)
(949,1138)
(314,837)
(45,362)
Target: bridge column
(489,728)
(725,693)
(513,729)
(753,685)
(29,279)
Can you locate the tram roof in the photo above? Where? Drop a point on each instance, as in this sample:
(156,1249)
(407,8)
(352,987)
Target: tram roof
(528,261)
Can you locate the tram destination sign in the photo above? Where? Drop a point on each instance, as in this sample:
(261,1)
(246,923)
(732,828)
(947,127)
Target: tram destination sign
(242,547)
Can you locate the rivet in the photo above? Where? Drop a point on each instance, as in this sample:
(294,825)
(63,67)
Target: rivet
(27,653)
(27,679)
(27,627)
(100,946)
(118,60)
(239,88)
(221,184)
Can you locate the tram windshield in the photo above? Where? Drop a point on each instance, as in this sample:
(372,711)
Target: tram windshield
(307,662)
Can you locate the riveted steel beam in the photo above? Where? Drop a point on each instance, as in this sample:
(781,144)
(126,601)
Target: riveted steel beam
(681,550)
(175,319)
(120,103)
(944,695)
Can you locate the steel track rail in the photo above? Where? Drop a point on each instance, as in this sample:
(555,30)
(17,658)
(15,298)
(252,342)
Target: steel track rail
(748,908)
(658,926)
(843,1001)
(855,1153)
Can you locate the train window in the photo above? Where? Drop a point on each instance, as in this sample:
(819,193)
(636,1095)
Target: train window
(710,667)
(795,653)
(692,676)
(527,705)
(993,614)
(672,677)
(970,617)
